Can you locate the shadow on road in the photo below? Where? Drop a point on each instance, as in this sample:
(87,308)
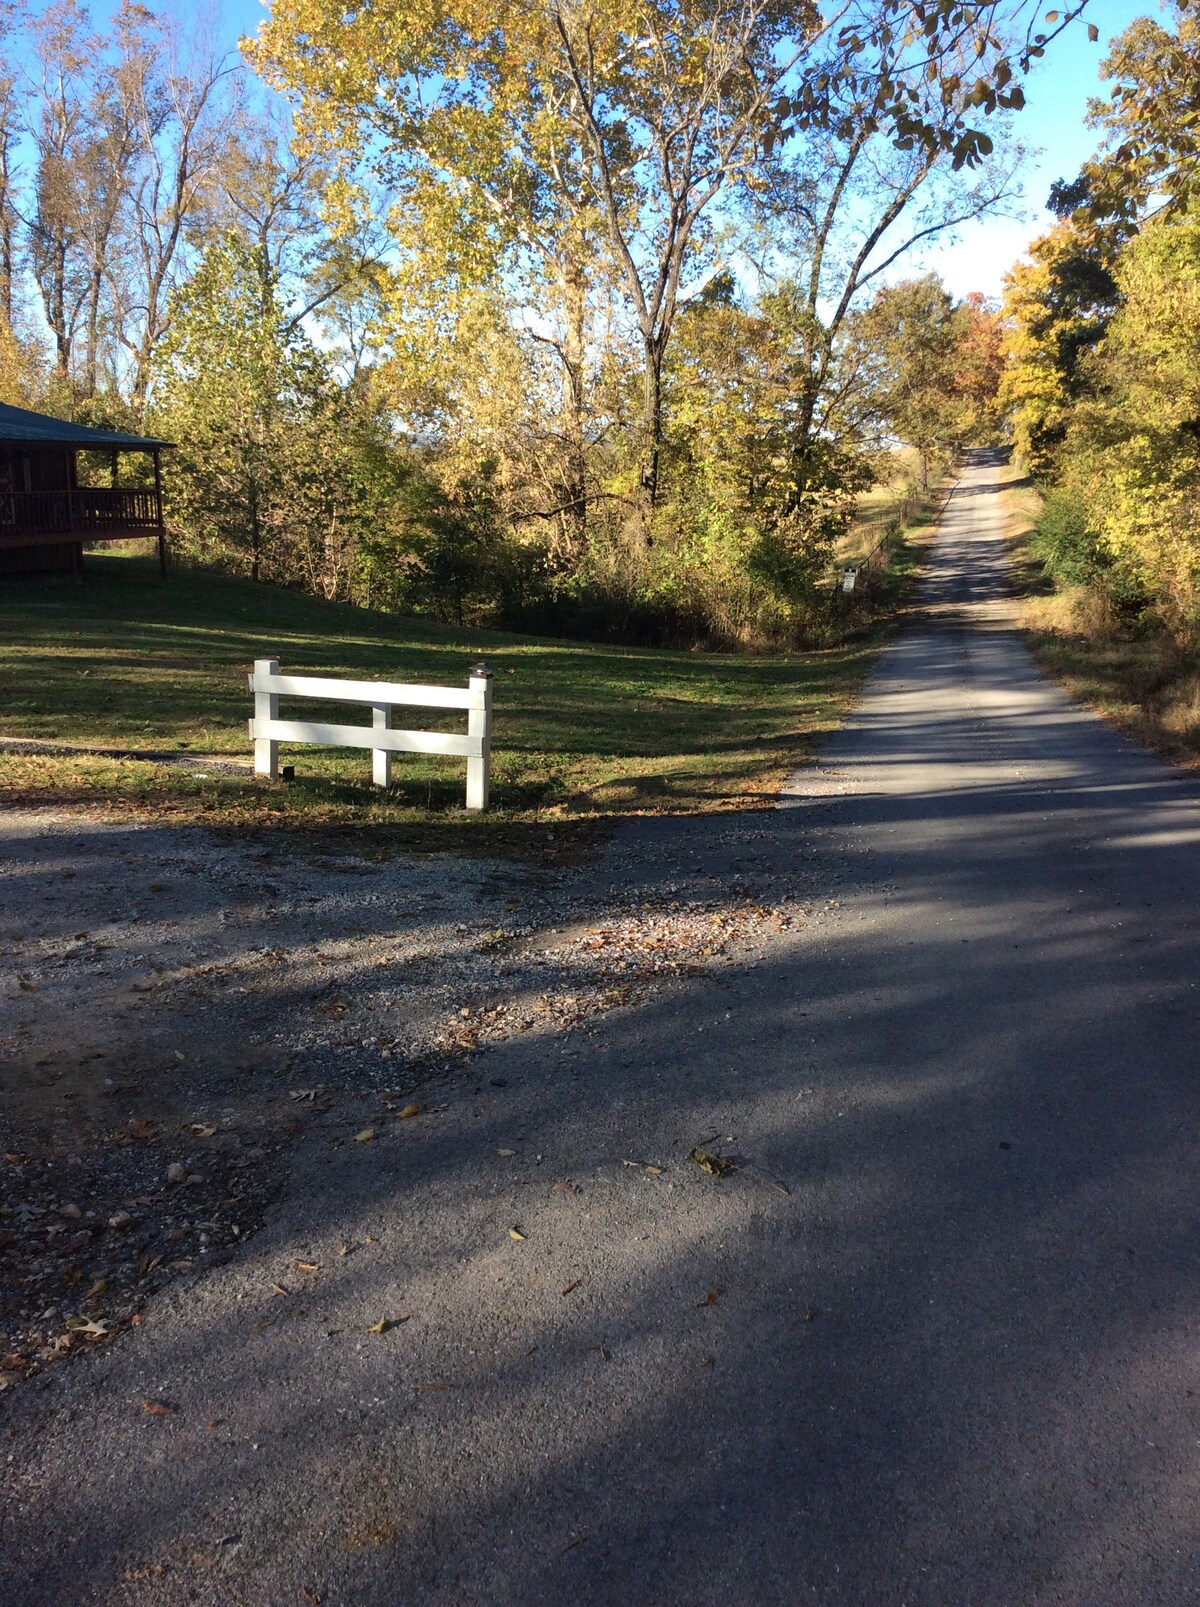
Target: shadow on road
(954,1363)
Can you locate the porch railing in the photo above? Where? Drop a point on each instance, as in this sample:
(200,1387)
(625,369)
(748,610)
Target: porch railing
(91,512)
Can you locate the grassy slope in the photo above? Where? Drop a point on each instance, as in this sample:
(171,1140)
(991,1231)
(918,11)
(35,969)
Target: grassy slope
(579,730)
(1137,679)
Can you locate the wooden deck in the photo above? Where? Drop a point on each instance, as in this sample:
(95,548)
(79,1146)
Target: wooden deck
(92,513)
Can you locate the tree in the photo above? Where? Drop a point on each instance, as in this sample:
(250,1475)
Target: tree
(63,143)
(912,333)
(1133,451)
(170,96)
(979,363)
(250,402)
(12,113)
(527,134)
(1056,308)
(1150,123)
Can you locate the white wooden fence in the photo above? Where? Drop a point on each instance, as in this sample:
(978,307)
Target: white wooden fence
(268,730)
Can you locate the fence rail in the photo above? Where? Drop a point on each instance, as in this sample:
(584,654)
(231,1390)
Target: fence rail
(268,730)
(89,511)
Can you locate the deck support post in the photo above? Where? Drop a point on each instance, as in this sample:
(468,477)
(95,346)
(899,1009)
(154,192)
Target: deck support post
(162,529)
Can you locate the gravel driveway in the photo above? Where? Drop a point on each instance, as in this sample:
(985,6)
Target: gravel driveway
(930,1341)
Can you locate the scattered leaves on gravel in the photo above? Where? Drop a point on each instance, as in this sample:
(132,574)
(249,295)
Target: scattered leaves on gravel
(714,1165)
(76,1264)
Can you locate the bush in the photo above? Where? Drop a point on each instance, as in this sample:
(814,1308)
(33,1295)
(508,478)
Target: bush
(1063,542)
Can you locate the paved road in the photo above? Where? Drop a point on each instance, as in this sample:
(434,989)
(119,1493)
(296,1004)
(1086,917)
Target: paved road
(957,1365)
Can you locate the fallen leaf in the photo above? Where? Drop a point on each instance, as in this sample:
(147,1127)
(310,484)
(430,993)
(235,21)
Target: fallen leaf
(26,985)
(654,1171)
(515,1233)
(307,1266)
(507,1153)
(87,1325)
(424,1389)
(602,1353)
(571,1544)
(277,1288)
(714,1165)
(811,1313)
(157,1408)
(564,1188)
(365,1137)
(381,1327)
(574,1284)
(710,1299)
(409,1110)
(202,1130)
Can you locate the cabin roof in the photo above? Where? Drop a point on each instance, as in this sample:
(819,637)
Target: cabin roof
(19,425)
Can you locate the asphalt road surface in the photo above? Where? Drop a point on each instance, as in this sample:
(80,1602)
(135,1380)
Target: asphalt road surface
(957,1364)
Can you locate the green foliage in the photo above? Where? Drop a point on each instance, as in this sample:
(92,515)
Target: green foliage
(932,367)
(1132,455)
(1151,123)
(280,473)
(441,348)
(1056,307)
(1065,543)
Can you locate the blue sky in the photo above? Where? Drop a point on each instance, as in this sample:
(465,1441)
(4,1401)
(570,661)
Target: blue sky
(1053,120)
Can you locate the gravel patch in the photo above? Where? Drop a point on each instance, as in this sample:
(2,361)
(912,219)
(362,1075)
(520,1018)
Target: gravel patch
(181,1007)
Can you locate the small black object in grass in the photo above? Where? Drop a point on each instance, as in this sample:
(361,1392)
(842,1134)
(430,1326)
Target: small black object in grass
(288,773)
(1004,1144)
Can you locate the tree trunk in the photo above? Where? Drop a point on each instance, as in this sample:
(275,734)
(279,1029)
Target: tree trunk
(91,364)
(574,358)
(651,438)
(57,309)
(255,532)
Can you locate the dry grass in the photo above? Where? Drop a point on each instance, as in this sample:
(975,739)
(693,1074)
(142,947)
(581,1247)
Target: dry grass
(889,502)
(1139,678)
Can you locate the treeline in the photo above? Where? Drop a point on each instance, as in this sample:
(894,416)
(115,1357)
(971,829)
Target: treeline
(584,317)
(1103,346)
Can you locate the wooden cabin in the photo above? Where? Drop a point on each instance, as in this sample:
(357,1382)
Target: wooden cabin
(47,517)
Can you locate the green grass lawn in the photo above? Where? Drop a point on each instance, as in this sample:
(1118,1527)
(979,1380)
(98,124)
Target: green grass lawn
(581,731)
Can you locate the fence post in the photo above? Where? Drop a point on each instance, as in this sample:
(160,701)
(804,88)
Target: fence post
(381,758)
(479,724)
(266,707)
